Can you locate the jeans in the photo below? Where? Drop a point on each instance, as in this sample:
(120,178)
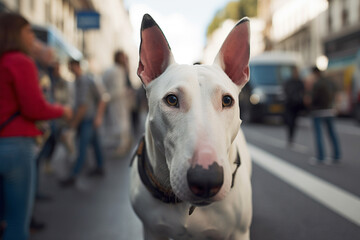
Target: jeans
(47,150)
(329,123)
(291,116)
(87,134)
(50,144)
(17,170)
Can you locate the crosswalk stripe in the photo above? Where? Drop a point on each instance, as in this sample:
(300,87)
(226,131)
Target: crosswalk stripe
(338,200)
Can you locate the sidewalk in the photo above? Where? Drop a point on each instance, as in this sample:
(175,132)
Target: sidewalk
(96,208)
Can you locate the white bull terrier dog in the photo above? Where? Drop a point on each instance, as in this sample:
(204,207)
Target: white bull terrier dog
(190,177)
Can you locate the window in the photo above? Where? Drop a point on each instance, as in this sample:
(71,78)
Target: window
(47,12)
(329,21)
(32,5)
(270,74)
(19,5)
(345,17)
(345,13)
(329,16)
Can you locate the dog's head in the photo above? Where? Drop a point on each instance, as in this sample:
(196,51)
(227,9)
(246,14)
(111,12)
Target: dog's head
(194,111)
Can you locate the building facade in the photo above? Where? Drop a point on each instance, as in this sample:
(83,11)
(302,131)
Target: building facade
(325,32)
(342,41)
(342,48)
(298,26)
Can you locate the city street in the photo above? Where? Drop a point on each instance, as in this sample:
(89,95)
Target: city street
(282,211)
(71,67)
(292,199)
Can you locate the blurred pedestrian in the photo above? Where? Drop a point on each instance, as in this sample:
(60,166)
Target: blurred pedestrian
(59,93)
(118,112)
(44,57)
(141,108)
(322,99)
(45,60)
(21,104)
(89,111)
(2,208)
(294,102)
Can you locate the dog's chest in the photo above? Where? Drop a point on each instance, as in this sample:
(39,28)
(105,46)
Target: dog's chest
(206,223)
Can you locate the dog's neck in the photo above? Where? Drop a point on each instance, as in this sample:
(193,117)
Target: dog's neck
(157,161)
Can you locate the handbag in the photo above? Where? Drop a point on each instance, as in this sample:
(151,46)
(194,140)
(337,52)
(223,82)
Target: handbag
(9,120)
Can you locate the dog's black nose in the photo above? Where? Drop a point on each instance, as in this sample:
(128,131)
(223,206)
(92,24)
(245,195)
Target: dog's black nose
(205,183)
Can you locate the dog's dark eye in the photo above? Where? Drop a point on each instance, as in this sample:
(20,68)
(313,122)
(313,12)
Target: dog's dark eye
(227,101)
(172,100)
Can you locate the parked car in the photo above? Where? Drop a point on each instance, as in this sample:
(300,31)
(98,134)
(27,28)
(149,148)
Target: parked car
(263,95)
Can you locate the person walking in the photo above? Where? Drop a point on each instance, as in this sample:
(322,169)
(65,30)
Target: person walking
(89,110)
(322,98)
(59,93)
(21,104)
(118,113)
(294,91)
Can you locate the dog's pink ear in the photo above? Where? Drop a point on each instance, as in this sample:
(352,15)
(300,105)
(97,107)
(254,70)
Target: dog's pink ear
(155,52)
(234,54)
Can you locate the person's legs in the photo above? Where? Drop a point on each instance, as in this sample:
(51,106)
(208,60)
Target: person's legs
(85,133)
(18,171)
(46,150)
(295,118)
(292,118)
(95,142)
(56,136)
(43,154)
(57,130)
(333,137)
(125,131)
(97,149)
(287,122)
(2,200)
(2,207)
(318,138)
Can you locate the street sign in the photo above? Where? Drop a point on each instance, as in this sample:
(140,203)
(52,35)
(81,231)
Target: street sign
(87,20)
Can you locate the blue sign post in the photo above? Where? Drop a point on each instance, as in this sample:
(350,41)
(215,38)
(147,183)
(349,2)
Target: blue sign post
(87,20)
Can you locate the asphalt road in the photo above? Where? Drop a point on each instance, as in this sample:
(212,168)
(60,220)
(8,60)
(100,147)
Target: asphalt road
(282,211)
(283,208)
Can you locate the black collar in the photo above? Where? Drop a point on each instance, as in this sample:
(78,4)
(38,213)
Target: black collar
(146,173)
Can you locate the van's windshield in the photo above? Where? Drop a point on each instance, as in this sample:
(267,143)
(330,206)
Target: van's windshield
(266,74)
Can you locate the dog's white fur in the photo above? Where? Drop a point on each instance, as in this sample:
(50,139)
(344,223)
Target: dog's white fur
(202,130)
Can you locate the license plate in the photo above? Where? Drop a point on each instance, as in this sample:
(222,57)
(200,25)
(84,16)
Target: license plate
(276,108)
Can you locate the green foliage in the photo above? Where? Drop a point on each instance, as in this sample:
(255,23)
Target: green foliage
(233,10)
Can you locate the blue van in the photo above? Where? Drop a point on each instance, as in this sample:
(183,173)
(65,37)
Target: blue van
(263,95)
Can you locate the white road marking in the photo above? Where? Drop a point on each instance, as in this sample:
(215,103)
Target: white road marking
(338,200)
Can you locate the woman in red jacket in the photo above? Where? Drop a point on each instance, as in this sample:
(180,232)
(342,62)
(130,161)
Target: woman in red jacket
(21,104)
